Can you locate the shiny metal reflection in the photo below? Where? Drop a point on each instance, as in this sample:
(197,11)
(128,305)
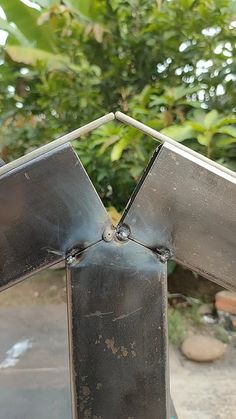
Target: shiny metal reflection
(189,206)
(48,205)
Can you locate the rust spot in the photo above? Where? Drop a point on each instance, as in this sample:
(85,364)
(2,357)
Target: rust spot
(124,351)
(111,345)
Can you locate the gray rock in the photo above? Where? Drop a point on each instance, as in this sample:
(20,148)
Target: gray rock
(203,348)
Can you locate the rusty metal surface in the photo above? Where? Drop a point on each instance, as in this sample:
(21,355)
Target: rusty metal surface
(189,206)
(47,205)
(117,321)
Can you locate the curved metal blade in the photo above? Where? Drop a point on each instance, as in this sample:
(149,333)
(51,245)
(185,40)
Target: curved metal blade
(189,206)
(47,205)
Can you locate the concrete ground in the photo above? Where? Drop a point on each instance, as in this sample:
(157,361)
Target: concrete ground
(204,391)
(34,376)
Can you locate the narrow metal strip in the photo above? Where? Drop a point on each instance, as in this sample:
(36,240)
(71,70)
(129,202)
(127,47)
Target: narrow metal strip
(56,143)
(163,138)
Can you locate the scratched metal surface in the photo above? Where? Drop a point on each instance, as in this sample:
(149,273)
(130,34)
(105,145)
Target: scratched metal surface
(117,309)
(47,205)
(185,204)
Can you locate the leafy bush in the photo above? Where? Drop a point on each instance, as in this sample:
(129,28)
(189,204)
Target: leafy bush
(168,63)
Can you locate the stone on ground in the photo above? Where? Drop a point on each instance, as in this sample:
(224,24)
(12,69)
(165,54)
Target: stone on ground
(202,348)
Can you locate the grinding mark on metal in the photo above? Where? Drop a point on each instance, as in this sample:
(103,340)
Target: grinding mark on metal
(98,314)
(123,316)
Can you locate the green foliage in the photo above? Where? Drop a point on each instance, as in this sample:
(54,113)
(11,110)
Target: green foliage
(180,320)
(168,63)
(176,327)
(25,19)
(221,334)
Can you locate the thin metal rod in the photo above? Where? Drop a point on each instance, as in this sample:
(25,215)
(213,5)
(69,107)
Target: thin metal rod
(163,138)
(58,142)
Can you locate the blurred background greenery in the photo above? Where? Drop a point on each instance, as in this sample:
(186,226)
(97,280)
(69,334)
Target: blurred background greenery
(169,63)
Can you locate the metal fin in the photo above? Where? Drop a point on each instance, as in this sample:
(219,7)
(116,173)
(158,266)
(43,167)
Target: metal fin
(47,205)
(187,205)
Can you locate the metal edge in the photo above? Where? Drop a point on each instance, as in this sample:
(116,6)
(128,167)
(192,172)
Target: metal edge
(206,164)
(218,170)
(139,186)
(56,143)
(164,139)
(223,283)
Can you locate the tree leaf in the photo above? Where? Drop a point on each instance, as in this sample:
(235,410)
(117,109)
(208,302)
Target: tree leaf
(229,130)
(211,118)
(108,142)
(157,100)
(25,19)
(181,91)
(222,141)
(192,103)
(196,126)
(118,149)
(84,7)
(203,140)
(15,32)
(178,132)
(226,121)
(198,116)
(31,56)
(47,3)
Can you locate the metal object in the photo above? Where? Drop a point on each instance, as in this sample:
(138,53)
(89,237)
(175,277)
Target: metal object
(117,316)
(164,139)
(184,206)
(188,206)
(123,233)
(48,206)
(65,139)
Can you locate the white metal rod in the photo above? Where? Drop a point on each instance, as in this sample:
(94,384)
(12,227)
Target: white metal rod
(56,143)
(163,138)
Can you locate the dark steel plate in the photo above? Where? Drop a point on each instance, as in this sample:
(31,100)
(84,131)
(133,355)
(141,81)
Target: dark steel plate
(117,310)
(188,205)
(47,205)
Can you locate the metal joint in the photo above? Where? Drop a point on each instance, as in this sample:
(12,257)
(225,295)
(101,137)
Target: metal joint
(72,255)
(164,254)
(108,234)
(123,233)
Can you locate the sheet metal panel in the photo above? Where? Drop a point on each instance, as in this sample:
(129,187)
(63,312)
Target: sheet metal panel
(118,333)
(189,206)
(47,205)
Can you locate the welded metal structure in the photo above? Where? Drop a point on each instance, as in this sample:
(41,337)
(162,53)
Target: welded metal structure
(183,208)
